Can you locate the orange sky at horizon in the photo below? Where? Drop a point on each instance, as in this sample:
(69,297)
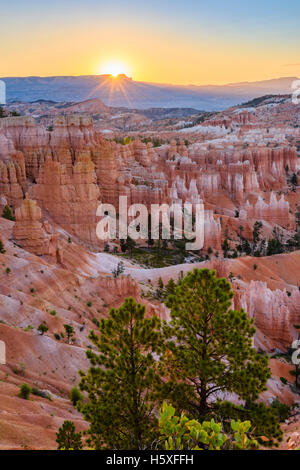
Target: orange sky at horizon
(161,46)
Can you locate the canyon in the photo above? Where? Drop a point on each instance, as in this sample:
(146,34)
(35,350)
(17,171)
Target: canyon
(242,164)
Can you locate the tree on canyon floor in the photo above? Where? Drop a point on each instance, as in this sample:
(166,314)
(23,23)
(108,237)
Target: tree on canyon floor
(67,438)
(69,329)
(43,328)
(256,237)
(7,213)
(116,272)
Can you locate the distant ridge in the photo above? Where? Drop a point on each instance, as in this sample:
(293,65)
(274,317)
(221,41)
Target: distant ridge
(125,92)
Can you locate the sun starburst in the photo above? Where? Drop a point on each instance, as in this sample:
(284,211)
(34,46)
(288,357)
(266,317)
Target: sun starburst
(114,69)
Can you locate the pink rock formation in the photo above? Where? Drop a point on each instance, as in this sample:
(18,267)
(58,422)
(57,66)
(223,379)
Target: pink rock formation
(32,235)
(275,312)
(72,200)
(28,138)
(243,171)
(277,211)
(12,169)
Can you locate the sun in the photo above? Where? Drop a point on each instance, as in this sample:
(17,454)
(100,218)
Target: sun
(114,69)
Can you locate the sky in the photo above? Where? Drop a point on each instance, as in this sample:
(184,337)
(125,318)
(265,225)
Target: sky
(166,41)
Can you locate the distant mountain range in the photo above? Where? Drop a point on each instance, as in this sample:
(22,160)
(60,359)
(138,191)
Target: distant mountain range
(125,92)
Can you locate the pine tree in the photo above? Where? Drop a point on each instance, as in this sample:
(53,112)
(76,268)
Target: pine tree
(75,395)
(7,213)
(294,180)
(131,244)
(121,381)
(67,438)
(209,348)
(123,245)
(69,329)
(43,328)
(225,247)
(274,247)
(256,234)
(118,270)
(170,287)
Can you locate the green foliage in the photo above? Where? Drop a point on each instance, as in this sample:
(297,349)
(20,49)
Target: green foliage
(2,249)
(126,140)
(162,292)
(246,248)
(118,270)
(69,331)
(203,352)
(25,391)
(225,247)
(128,245)
(170,287)
(282,410)
(40,393)
(264,419)
(256,234)
(283,380)
(67,438)
(131,244)
(274,247)
(212,350)
(123,245)
(181,433)
(294,180)
(75,396)
(43,328)
(7,213)
(96,322)
(122,379)
(20,370)
(209,347)
(295,373)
